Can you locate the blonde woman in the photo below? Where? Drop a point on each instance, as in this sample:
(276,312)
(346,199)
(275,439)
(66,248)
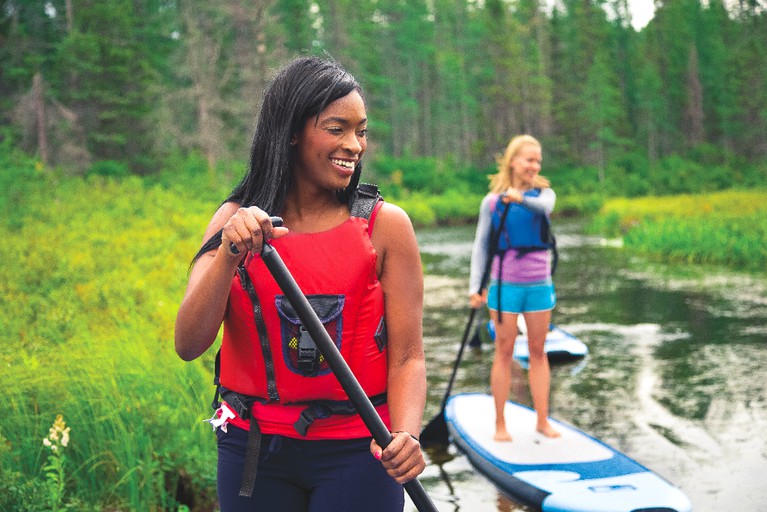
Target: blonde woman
(519,204)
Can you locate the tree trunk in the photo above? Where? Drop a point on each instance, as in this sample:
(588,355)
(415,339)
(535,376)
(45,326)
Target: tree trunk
(39,102)
(693,114)
(70,15)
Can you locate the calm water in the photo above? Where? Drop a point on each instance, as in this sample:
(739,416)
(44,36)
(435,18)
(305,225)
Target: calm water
(676,376)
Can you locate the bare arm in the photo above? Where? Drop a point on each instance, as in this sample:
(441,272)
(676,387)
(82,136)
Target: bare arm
(401,275)
(202,310)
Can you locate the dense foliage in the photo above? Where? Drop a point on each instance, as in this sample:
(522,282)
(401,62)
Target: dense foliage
(132,81)
(724,228)
(93,272)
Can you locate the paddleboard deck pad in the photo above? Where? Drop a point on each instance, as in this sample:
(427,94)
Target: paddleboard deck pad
(572,473)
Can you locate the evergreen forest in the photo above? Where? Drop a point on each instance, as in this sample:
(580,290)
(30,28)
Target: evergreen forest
(680,105)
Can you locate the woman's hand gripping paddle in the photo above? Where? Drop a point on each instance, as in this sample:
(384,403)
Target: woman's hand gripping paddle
(338,365)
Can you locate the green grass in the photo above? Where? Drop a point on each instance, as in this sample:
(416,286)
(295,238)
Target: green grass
(94,270)
(726,228)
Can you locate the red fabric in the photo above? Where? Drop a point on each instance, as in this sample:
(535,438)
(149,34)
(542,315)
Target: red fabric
(342,262)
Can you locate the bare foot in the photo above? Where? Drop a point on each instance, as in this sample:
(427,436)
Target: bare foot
(548,431)
(502,435)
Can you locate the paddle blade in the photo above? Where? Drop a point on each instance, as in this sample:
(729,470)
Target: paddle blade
(435,432)
(476,340)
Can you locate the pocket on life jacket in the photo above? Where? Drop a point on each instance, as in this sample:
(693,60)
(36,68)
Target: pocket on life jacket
(298,349)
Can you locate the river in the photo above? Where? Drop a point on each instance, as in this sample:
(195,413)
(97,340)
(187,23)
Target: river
(675,377)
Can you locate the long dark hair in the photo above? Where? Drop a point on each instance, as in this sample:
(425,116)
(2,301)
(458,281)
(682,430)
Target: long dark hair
(300,91)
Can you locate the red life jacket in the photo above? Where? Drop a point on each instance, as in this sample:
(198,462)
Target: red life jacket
(336,270)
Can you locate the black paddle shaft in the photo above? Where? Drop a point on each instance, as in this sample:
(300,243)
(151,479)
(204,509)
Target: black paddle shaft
(435,432)
(338,365)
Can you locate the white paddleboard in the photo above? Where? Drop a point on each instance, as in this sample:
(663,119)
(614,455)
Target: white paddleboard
(572,473)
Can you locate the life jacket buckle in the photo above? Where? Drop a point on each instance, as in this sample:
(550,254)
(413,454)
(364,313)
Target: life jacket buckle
(314,411)
(308,356)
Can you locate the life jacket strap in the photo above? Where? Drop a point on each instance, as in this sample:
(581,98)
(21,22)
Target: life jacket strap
(242,405)
(316,409)
(250,463)
(321,409)
(501,257)
(263,336)
(365,199)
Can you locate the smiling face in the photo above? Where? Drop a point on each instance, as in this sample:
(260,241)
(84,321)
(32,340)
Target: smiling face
(525,166)
(330,146)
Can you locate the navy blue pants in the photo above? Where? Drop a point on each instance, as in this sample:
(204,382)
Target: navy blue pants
(295,475)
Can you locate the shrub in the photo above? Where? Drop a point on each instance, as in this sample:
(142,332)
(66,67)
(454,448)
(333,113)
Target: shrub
(701,228)
(111,168)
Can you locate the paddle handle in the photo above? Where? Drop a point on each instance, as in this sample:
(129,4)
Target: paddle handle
(276,222)
(338,365)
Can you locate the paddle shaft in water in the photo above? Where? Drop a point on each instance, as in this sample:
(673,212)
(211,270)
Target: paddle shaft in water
(338,365)
(435,432)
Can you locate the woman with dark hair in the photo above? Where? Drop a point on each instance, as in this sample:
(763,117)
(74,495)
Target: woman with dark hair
(288,437)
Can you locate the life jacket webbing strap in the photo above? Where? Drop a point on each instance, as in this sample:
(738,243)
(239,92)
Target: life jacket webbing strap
(242,405)
(217,381)
(493,249)
(263,337)
(554,254)
(365,199)
(320,409)
(250,463)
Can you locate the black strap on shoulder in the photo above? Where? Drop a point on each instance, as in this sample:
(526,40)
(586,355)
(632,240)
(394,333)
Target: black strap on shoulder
(365,199)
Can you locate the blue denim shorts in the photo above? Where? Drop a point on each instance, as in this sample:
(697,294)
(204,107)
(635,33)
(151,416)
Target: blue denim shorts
(522,298)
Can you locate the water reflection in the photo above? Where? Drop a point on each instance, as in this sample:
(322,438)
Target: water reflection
(674,376)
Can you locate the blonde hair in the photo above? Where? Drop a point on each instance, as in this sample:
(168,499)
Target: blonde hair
(500,181)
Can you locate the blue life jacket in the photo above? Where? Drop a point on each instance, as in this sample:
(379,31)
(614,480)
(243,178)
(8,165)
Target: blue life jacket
(524,229)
